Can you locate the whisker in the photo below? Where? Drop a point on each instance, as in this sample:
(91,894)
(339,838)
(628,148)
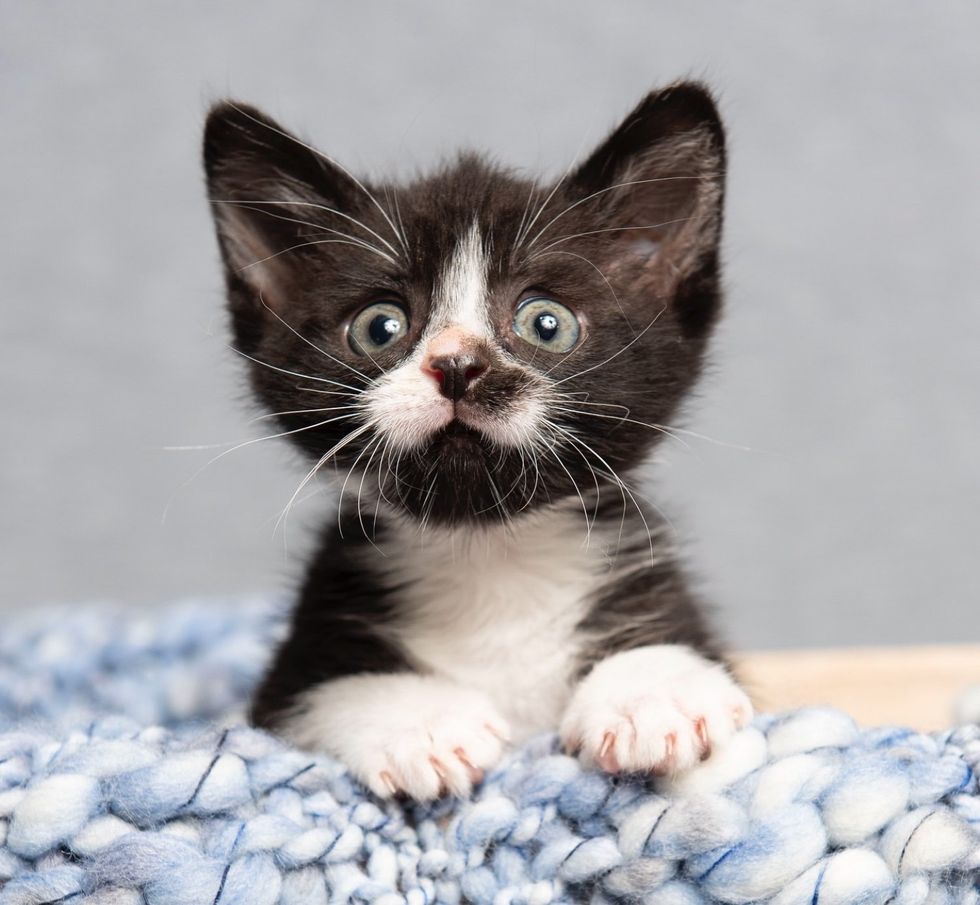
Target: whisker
(585,509)
(544,204)
(313,204)
(243,444)
(428,504)
(381,493)
(327,392)
(609,188)
(575,351)
(537,476)
(622,521)
(336,383)
(512,487)
(598,492)
(615,355)
(238,446)
(626,492)
(610,405)
(527,210)
(665,427)
(335,408)
(495,490)
(725,443)
(326,457)
(393,199)
(317,242)
(623,485)
(398,486)
(311,225)
(311,344)
(376,439)
(619,304)
(360,488)
(655,427)
(299,502)
(198,446)
(610,229)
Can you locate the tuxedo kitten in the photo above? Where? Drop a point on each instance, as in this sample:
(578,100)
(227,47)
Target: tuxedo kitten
(482,362)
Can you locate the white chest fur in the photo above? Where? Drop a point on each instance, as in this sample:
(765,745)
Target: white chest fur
(496,608)
(488,619)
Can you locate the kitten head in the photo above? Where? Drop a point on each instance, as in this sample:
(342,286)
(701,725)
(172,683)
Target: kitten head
(472,344)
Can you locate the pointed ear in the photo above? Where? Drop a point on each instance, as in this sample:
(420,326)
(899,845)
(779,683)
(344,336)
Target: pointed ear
(269,194)
(659,182)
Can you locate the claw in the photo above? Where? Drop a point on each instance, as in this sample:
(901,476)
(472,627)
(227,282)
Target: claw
(608,740)
(670,750)
(498,734)
(475,773)
(388,782)
(701,730)
(439,767)
(606,757)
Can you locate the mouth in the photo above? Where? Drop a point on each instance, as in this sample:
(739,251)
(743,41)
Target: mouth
(457,437)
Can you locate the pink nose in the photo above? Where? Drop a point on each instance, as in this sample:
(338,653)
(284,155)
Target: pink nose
(455,373)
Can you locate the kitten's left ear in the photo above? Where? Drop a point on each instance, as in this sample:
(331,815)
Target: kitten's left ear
(658,183)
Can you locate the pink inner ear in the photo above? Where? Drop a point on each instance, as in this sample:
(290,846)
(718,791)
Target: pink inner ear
(253,259)
(643,248)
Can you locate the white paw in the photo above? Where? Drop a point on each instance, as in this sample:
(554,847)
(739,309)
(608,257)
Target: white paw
(657,709)
(403,733)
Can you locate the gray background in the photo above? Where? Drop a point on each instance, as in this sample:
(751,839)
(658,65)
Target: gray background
(848,362)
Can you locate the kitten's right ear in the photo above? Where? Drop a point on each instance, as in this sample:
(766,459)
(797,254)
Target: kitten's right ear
(265,188)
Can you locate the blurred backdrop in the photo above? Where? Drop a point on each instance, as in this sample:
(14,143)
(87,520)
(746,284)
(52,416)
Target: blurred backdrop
(842,504)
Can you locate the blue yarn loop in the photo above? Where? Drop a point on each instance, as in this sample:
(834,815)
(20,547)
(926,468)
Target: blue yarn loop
(127,775)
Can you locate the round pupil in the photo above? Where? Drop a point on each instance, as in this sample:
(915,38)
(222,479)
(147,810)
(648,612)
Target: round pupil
(546,326)
(383,328)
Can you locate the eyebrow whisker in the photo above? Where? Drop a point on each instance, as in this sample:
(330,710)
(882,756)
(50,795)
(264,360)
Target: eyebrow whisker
(320,207)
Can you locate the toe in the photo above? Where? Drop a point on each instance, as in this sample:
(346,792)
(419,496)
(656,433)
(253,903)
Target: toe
(415,774)
(383,784)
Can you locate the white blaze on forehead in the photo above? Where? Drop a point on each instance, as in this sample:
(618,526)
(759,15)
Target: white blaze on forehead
(461,294)
(406,403)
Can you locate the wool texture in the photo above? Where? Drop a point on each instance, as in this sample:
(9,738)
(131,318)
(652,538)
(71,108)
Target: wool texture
(128,776)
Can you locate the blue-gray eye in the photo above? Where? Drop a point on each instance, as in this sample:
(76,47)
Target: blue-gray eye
(377,327)
(546,323)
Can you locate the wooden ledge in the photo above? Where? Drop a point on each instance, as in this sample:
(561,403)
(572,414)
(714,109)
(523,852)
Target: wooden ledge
(903,686)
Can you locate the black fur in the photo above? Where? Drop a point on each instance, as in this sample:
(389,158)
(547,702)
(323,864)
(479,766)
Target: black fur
(334,628)
(656,184)
(651,603)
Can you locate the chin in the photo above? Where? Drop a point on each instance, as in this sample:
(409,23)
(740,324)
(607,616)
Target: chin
(458,438)
(460,477)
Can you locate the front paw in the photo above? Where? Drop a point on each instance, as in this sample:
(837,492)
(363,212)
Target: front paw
(657,709)
(420,736)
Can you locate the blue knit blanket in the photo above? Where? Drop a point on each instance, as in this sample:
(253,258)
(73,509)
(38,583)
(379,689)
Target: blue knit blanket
(128,776)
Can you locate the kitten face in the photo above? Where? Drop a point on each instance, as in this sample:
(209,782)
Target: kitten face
(472,344)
